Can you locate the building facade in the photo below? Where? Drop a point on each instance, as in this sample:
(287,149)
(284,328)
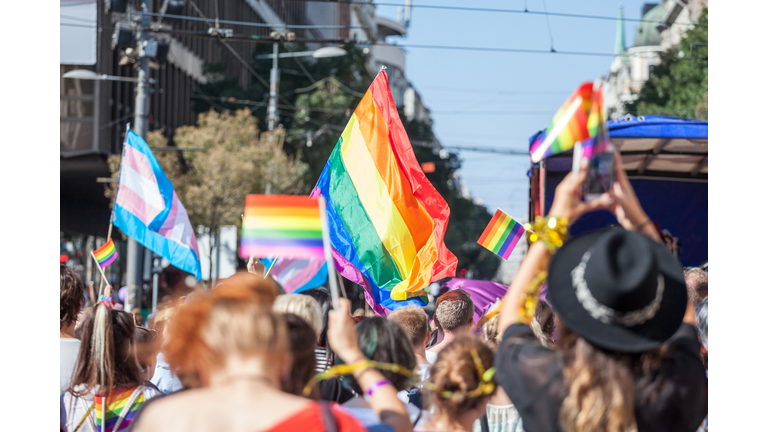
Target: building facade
(661,29)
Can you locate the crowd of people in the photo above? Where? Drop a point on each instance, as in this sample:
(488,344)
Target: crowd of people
(601,332)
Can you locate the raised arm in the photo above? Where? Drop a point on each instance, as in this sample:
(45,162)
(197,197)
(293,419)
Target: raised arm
(567,206)
(343,341)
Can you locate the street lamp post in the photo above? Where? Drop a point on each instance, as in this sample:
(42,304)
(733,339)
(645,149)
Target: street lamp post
(135,252)
(274,74)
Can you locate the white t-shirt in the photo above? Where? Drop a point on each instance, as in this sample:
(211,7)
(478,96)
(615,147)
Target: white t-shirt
(422,370)
(69,348)
(431,357)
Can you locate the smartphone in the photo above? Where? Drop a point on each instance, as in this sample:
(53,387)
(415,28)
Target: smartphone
(600,175)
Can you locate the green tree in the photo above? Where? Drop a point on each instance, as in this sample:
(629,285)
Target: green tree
(679,86)
(237,159)
(314,113)
(468,220)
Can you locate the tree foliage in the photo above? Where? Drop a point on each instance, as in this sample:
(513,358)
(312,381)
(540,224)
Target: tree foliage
(236,160)
(679,85)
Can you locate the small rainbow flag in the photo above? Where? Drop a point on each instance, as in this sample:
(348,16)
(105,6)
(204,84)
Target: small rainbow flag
(568,127)
(501,235)
(106,254)
(281,225)
(115,403)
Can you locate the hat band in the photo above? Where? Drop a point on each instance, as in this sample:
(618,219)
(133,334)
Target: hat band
(605,314)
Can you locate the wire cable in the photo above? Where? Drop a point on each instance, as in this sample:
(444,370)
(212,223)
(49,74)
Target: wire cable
(549,28)
(494,10)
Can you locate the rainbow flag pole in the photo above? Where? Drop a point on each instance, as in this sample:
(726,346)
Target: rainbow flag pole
(103,276)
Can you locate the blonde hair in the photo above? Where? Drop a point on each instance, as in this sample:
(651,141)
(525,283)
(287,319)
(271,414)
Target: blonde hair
(302,306)
(600,388)
(414,322)
(490,332)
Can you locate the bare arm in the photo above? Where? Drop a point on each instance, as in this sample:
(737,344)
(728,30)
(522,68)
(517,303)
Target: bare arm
(567,204)
(343,341)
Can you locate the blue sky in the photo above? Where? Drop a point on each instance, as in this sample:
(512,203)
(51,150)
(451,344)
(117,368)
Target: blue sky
(470,82)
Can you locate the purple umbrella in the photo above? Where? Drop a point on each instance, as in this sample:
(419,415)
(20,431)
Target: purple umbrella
(483,293)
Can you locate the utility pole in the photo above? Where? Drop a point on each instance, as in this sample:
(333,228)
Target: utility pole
(140,124)
(274,84)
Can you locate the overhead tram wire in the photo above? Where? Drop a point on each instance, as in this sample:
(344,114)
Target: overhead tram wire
(263,39)
(495,10)
(237,56)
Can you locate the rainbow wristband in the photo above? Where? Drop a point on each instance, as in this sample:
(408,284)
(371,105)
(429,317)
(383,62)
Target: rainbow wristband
(374,387)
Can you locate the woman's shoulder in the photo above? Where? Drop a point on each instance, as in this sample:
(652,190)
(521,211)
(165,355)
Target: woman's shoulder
(316,416)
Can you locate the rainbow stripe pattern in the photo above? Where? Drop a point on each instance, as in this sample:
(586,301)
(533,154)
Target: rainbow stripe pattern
(501,235)
(598,141)
(115,401)
(281,225)
(106,254)
(386,220)
(568,127)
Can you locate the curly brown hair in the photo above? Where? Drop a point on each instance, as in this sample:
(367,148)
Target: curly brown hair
(70,296)
(455,371)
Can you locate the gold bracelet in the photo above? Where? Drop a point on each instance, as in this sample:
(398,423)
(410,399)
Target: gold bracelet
(551,230)
(530,299)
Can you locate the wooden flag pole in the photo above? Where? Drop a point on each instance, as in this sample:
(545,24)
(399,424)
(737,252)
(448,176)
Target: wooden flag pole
(103,276)
(341,285)
(271,266)
(328,256)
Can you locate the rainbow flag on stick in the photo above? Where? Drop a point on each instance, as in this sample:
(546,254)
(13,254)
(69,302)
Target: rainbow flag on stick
(501,235)
(281,225)
(386,220)
(568,127)
(106,254)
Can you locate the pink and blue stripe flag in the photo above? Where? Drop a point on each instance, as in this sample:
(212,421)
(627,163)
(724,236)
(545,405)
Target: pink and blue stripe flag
(297,275)
(148,210)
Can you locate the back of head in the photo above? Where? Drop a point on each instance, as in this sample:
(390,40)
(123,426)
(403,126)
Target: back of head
(697,283)
(414,322)
(146,345)
(70,296)
(490,332)
(385,341)
(599,385)
(106,359)
(302,341)
(232,320)
(323,297)
(265,290)
(460,385)
(454,310)
(303,306)
(702,322)
(82,317)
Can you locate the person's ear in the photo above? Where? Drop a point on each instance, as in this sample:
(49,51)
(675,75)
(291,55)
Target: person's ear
(427,339)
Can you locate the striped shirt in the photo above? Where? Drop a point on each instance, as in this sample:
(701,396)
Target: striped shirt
(321,360)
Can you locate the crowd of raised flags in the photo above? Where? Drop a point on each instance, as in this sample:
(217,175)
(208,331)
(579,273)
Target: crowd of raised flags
(385,221)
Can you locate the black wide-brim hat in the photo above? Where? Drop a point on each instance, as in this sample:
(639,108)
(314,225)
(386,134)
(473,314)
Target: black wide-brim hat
(618,289)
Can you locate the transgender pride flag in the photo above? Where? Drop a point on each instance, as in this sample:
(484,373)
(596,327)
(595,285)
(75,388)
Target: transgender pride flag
(148,210)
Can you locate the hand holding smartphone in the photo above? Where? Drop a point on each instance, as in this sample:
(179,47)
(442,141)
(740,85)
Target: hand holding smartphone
(600,172)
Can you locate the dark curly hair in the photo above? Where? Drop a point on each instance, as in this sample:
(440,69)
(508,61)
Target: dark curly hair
(70,296)
(386,342)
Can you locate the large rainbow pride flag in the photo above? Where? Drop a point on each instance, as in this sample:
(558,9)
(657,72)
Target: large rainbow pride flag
(386,220)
